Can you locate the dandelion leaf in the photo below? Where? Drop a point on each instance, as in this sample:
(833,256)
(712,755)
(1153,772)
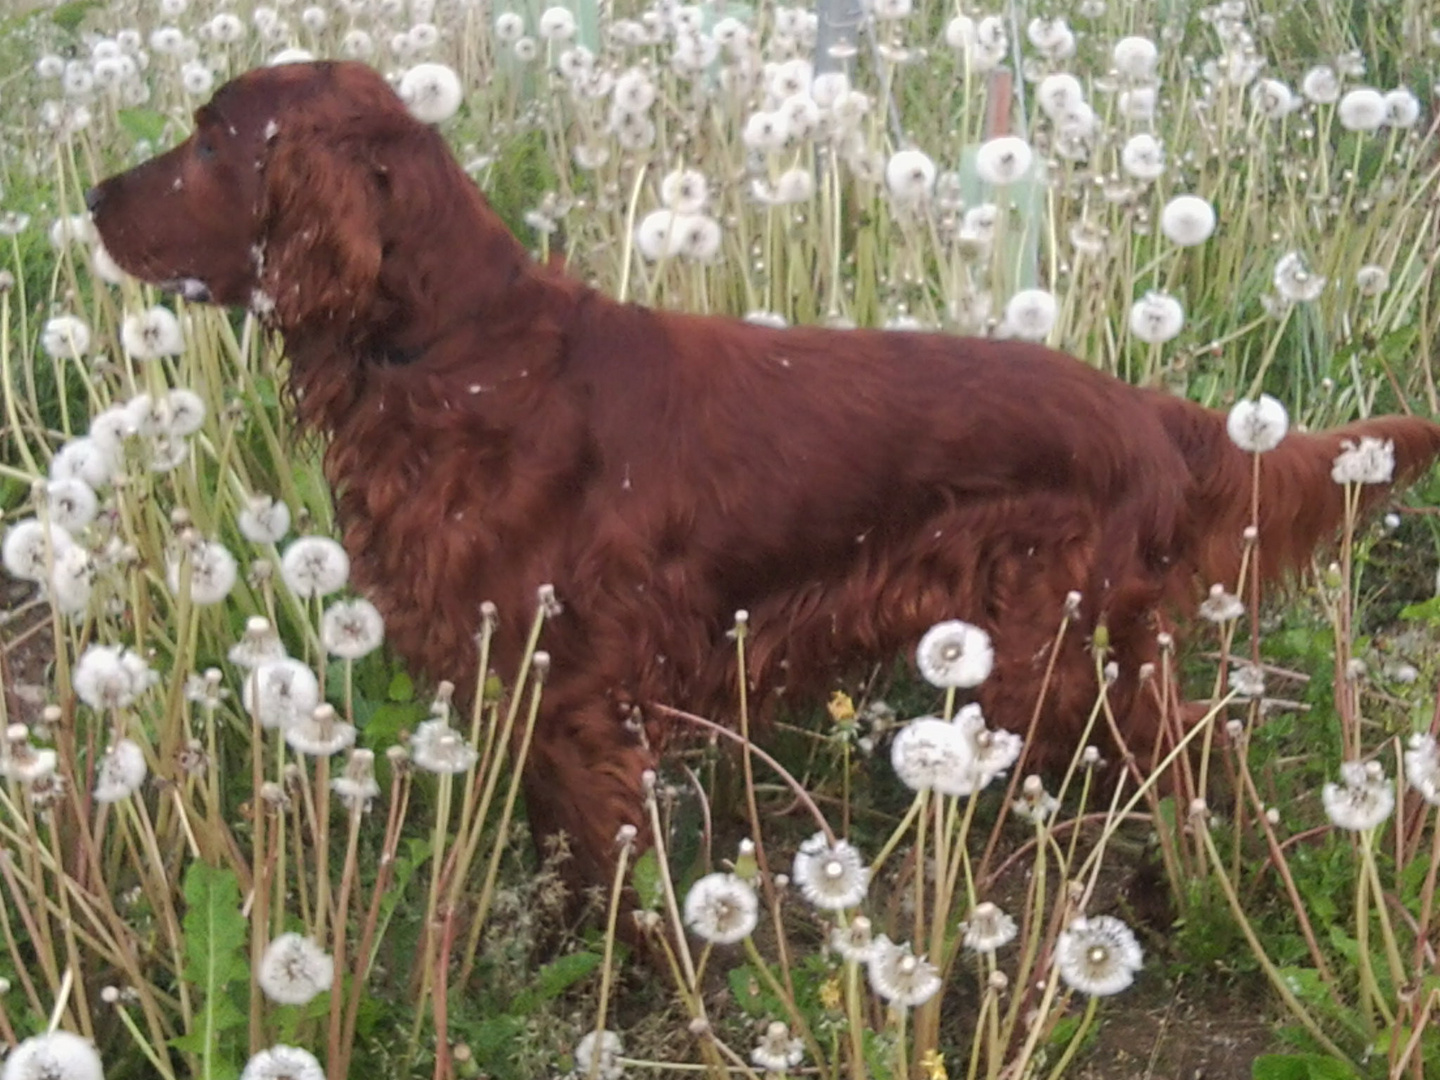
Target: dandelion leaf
(215,933)
(69,16)
(1300,1067)
(555,978)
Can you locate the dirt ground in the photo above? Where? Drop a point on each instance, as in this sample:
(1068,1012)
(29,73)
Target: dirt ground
(1155,1034)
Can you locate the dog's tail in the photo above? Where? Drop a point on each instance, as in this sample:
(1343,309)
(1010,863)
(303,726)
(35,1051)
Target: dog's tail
(1300,504)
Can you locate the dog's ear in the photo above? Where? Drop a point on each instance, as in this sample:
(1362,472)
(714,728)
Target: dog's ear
(321,229)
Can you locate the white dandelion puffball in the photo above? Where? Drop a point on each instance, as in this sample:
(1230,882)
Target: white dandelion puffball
(955,655)
(1098,956)
(351,629)
(294,970)
(1363,799)
(899,976)
(213,572)
(1372,280)
(283,1063)
(509,27)
(1059,94)
(56,1055)
(314,566)
(1272,98)
(109,677)
(1370,461)
(933,754)
(909,176)
(988,928)
(991,752)
(1003,160)
(263,520)
(438,748)
(1030,314)
(72,504)
(684,191)
(321,734)
(597,1054)
(280,692)
(1294,280)
(1156,318)
(431,92)
(30,546)
(1259,425)
(66,337)
(1187,220)
(556,24)
(721,909)
(1362,109)
(658,235)
(1143,157)
(121,771)
(147,335)
(1422,766)
(830,876)
(777,1051)
(1321,85)
(87,459)
(1402,108)
(1135,57)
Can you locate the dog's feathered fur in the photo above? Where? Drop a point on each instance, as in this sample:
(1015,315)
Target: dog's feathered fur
(494,426)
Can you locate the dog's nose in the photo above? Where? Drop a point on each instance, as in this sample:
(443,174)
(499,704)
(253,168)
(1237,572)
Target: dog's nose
(94,197)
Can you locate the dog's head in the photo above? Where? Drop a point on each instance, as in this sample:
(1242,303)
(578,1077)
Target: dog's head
(283,198)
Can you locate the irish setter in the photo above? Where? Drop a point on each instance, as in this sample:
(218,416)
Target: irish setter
(494,426)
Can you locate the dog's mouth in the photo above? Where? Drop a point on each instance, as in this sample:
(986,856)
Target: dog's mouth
(191,289)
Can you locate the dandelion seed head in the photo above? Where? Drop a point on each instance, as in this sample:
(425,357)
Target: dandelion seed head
(721,909)
(1098,956)
(1187,220)
(1259,425)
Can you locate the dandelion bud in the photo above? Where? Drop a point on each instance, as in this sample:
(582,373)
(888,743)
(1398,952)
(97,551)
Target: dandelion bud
(398,756)
(647,921)
(550,605)
(647,782)
(782,882)
(1147,671)
(1101,637)
(746,867)
(742,617)
(273,795)
(1165,640)
(110,995)
(700,1028)
(180,519)
(1272,815)
(489,613)
(540,663)
(1235,730)
(998,982)
(1033,786)
(1072,603)
(625,836)
(1250,535)
(52,714)
(1199,810)
(1112,672)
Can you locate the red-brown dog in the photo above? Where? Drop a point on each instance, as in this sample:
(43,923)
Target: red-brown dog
(494,426)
